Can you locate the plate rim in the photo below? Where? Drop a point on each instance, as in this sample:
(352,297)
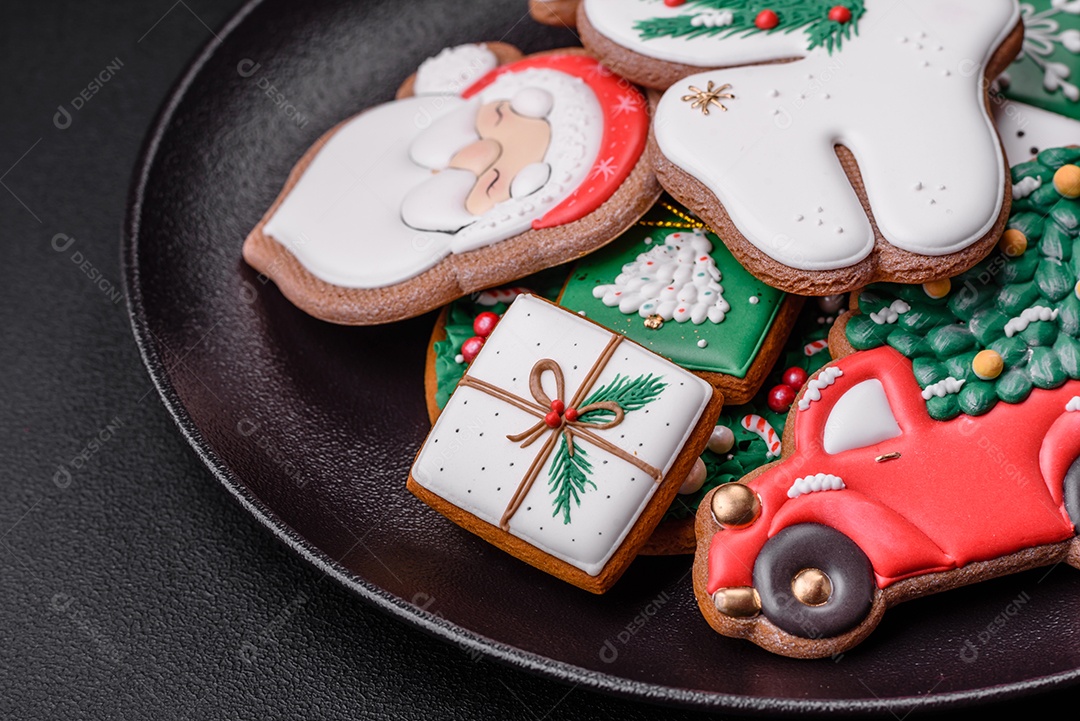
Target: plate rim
(434,625)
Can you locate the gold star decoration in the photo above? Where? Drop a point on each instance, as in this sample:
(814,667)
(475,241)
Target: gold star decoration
(711,95)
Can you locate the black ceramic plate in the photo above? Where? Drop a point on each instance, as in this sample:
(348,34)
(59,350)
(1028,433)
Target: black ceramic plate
(313,426)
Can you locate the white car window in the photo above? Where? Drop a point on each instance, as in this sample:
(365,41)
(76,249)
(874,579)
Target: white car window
(862,417)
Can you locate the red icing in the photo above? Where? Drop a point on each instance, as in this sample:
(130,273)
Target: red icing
(965,490)
(840,14)
(626,128)
(766,20)
(674,3)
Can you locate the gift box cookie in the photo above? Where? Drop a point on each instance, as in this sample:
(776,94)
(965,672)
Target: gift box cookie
(564,443)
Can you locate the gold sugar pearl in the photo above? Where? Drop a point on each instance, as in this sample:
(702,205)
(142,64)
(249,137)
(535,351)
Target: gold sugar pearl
(938,288)
(988,365)
(1067,181)
(1013,243)
(654,322)
(1078,289)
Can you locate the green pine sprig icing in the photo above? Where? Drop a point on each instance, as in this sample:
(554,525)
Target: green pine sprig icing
(569,474)
(812,17)
(942,336)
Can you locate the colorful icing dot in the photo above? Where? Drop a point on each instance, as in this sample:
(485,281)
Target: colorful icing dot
(988,365)
(722,440)
(938,288)
(766,20)
(703,343)
(840,14)
(1078,289)
(459,359)
(1067,181)
(1013,243)
(674,3)
(753,300)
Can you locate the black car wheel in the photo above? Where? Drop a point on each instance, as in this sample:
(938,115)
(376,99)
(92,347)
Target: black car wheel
(1071,488)
(814,582)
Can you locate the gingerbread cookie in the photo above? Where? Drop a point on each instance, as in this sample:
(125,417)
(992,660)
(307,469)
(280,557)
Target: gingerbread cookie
(870,156)
(943,448)
(669,284)
(875,503)
(489,171)
(564,443)
(1038,103)
(1009,325)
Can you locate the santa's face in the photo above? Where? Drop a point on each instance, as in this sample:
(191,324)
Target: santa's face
(509,142)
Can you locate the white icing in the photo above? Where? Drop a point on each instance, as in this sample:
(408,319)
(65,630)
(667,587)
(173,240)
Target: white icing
(1041,34)
(1026,130)
(823,380)
(891,314)
(815,484)
(530,179)
(532,103)
(1038,313)
(770,161)
(343,219)
(862,417)
(942,388)
(1026,187)
(454,69)
(713,19)
(677,280)
(466,459)
(1073,405)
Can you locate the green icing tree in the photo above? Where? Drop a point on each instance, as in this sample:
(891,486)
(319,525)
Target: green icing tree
(942,337)
(812,17)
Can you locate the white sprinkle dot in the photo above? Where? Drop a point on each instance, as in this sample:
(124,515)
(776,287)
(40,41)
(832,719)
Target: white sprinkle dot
(839,230)
(903,40)
(820,221)
(459,359)
(820,209)
(702,343)
(798,218)
(754,300)
(941,187)
(933,202)
(774,93)
(918,186)
(581,312)
(946,73)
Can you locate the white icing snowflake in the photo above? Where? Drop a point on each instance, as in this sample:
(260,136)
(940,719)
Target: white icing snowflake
(1041,33)
(626,104)
(607,168)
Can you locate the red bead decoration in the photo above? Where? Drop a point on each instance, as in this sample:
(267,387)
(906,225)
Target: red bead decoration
(780,398)
(572,414)
(558,406)
(766,20)
(674,3)
(840,14)
(471,348)
(795,377)
(485,323)
(553,419)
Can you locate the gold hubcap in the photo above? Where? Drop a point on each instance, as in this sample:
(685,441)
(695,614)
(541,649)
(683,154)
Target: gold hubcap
(735,505)
(812,586)
(738,602)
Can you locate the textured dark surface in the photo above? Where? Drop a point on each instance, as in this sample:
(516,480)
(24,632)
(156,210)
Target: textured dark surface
(133,585)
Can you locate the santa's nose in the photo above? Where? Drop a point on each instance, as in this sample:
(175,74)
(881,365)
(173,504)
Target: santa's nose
(478,156)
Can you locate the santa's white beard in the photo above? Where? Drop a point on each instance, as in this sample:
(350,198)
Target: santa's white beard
(438,204)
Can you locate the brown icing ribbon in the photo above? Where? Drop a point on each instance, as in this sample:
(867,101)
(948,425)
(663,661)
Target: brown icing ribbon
(558,418)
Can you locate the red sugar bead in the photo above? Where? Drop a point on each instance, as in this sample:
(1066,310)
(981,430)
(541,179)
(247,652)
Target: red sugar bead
(766,20)
(485,323)
(471,348)
(780,398)
(795,377)
(840,14)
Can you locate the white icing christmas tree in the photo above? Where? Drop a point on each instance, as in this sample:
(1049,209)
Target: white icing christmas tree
(678,281)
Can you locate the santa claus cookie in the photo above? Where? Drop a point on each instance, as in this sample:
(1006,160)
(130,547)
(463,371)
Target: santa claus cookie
(564,443)
(487,168)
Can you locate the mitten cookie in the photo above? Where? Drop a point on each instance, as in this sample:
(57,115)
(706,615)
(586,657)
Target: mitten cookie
(486,173)
(564,443)
(871,158)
